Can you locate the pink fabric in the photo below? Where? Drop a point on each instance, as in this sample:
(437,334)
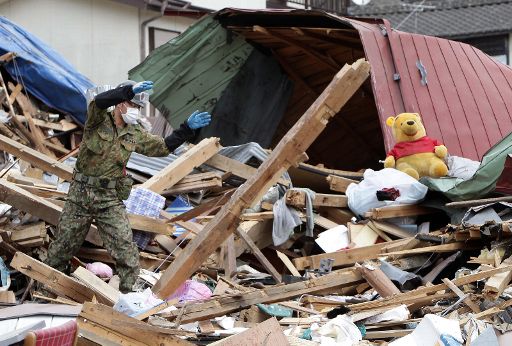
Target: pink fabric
(99,269)
(191,291)
(62,335)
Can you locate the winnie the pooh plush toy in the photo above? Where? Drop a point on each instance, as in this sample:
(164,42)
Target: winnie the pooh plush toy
(414,153)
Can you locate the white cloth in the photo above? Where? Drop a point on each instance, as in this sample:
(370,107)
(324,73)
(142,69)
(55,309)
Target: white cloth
(285,220)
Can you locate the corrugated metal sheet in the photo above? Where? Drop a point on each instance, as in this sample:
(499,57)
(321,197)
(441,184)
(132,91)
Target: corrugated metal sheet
(467,100)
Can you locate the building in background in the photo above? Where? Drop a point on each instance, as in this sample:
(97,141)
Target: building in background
(103,39)
(485,24)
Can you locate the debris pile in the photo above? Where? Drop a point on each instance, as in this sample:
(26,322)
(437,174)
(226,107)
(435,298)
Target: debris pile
(233,252)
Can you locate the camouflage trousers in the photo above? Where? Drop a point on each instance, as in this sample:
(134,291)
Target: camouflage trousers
(84,204)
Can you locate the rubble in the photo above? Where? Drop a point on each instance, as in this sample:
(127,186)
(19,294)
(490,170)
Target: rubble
(211,273)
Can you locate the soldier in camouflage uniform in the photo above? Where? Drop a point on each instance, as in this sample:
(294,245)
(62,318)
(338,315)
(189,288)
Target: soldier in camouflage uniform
(100,183)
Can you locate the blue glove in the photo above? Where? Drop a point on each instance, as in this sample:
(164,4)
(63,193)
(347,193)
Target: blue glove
(198,120)
(142,86)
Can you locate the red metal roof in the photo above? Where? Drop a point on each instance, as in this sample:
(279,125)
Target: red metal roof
(466,101)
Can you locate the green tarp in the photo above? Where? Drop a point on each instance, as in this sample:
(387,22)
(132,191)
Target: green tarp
(484,180)
(192,70)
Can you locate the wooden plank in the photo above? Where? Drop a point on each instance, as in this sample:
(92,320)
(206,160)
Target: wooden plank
(36,158)
(194,186)
(345,257)
(391,229)
(435,249)
(235,167)
(225,304)
(297,198)
(260,233)
(397,211)
(496,284)
(268,332)
(288,152)
(339,184)
(30,231)
(461,294)
(53,279)
(183,165)
(229,258)
(403,298)
(259,255)
(23,130)
(14,92)
(149,224)
(288,263)
(100,287)
(118,328)
(168,244)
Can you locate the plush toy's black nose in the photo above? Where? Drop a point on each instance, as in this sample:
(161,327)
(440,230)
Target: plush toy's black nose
(410,122)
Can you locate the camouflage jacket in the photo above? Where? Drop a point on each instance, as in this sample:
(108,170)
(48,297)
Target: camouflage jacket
(105,148)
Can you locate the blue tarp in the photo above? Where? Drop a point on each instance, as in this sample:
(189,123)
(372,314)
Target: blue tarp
(44,73)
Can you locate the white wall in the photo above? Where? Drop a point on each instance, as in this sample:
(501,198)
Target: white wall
(217,4)
(101,38)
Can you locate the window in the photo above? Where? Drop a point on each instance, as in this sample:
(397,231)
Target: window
(158,37)
(495,46)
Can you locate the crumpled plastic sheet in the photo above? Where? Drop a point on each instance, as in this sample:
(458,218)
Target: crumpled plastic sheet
(134,303)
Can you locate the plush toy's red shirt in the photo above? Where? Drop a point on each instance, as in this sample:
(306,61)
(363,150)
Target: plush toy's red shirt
(422,145)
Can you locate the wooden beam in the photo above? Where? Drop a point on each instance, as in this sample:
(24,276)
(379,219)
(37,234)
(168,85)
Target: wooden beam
(107,326)
(230,303)
(235,167)
(98,286)
(397,211)
(391,229)
(56,281)
(259,255)
(36,158)
(287,153)
(297,198)
(183,165)
(194,186)
(289,265)
(229,258)
(404,298)
(346,257)
(339,184)
(149,224)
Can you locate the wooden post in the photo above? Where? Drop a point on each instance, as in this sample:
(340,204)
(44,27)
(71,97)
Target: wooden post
(183,165)
(378,280)
(287,153)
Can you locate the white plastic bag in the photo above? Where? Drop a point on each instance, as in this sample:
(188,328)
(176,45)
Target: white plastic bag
(363,196)
(134,303)
(460,167)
